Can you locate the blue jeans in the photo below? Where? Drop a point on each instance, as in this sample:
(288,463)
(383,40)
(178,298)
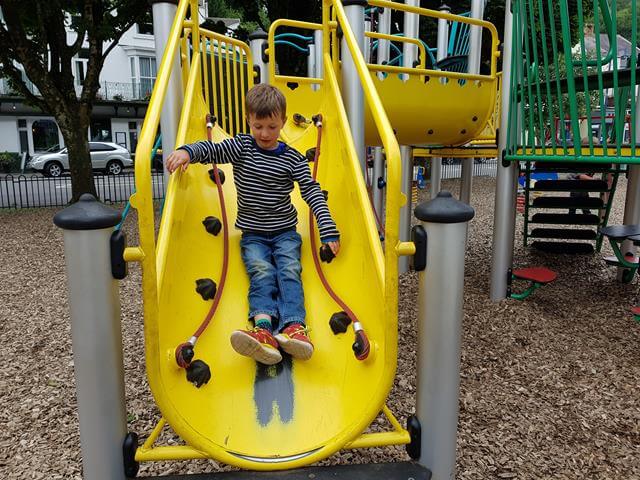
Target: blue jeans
(273,264)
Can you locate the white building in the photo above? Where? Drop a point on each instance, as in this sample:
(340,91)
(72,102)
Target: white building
(126,81)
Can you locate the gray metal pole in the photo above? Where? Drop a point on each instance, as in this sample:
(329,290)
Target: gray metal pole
(409,50)
(378,180)
(384,26)
(367,41)
(632,200)
(319,61)
(97,338)
(475,44)
(406,157)
(409,56)
(351,85)
(504,220)
(163,12)
(443,41)
(257,39)
(441,288)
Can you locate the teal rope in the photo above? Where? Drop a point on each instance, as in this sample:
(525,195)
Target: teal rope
(127,207)
(291,44)
(281,36)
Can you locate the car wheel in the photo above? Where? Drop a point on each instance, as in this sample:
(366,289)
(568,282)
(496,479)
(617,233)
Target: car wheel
(53,169)
(114,167)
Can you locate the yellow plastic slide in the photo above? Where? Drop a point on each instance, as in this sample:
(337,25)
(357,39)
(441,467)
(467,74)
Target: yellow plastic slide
(297,412)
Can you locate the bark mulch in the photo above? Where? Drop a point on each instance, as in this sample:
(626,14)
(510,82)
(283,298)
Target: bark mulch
(549,386)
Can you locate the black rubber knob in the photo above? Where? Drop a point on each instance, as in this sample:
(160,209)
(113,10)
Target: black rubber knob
(212,176)
(206,288)
(198,373)
(212,225)
(339,322)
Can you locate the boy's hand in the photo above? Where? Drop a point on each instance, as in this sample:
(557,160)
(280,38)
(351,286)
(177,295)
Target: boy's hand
(334,246)
(177,159)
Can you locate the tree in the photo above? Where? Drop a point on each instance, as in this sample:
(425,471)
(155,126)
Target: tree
(33,33)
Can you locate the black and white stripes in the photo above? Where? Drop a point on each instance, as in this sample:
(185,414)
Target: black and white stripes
(264,182)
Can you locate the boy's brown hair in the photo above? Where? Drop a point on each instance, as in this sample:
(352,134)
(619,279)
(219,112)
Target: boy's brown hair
(265,101)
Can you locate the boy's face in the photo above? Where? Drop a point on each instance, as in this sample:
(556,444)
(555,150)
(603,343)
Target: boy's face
(266,130)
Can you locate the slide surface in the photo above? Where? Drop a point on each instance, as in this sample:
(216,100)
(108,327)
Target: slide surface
(297,412)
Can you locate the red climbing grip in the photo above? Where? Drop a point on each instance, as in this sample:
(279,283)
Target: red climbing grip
(635,310)
(535,274)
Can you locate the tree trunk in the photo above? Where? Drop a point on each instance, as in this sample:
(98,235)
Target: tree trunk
(75,131)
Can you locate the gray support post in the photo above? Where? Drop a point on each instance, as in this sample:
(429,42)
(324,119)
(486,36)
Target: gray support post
(257,39)
(97,338)
(443,43)
(319,61)
(409,50)
(367,41)
(311,60)
(351,85)
(163,12)
(475,44)
(441,288)
(384,26)
(404,235)
(504,220)
(632,200)
(378,180)
(409,56)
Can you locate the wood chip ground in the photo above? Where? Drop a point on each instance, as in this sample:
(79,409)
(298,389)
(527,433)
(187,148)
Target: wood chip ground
(550,386)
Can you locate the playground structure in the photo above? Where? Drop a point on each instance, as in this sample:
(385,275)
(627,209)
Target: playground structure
(294,415)
(557,98)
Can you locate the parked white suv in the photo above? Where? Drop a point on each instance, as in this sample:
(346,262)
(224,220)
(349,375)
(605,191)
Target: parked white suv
(110,157)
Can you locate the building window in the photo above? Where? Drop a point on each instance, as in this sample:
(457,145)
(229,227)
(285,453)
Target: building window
(101,130)
(45,135)
(79,72)
(145,27)
(147,75)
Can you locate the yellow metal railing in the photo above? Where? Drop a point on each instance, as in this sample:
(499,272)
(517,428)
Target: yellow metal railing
(446,16)
(392,38)
(227,74)
(271,50)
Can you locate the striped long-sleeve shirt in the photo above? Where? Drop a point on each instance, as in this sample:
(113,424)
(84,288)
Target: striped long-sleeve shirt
(264,182)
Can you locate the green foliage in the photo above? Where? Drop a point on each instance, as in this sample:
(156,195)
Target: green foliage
(9,162)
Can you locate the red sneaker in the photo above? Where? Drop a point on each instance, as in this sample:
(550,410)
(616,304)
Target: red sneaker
(295,341)
(258,344)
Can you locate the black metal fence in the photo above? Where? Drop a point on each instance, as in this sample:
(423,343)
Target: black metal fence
(30,191)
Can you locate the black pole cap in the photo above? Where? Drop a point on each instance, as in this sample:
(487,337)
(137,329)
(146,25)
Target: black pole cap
(258,35)
(444,209)
(87,214)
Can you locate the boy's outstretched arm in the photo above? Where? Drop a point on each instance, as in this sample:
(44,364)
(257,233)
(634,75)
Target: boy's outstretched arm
(311,193)
(227,151)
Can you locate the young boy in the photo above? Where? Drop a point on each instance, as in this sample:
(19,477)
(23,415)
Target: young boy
(264,172)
